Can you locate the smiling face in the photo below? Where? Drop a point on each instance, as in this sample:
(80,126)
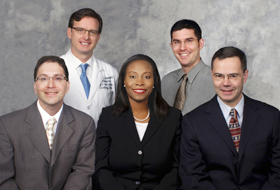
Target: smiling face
(139,81)
(186,48)
(50,93)
(229,90)
(82,45)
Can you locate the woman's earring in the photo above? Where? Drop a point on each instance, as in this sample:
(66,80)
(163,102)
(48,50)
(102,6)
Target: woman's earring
(153,86)
(124,85)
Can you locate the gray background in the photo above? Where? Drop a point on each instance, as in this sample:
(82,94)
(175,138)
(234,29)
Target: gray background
(34,28)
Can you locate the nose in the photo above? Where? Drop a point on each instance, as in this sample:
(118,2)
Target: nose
(86,35)
(226,81)
(51,83)
(182,46)
(139,81)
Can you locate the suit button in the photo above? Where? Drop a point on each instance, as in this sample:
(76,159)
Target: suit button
(240,187)
(140,152)
(137,182)
(88,107)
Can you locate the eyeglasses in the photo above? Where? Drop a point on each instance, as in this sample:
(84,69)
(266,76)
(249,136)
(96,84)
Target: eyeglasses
(188,41)
(56,79)
(231,77)
(83,31)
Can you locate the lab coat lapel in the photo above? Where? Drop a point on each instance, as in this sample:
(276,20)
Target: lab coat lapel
(96,78)
(74,78)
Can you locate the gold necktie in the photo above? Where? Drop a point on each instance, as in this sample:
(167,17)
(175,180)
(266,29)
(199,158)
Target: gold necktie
(181,94)
(49,131)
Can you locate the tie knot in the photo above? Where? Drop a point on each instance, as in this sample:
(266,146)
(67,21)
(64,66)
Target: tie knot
(51,122)
(233,113)
(185,77)
(84,67)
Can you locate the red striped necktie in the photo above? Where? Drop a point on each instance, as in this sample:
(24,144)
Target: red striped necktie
(234,128)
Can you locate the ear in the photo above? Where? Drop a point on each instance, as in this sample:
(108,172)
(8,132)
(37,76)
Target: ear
(35,88)
(245,76)
(68,86)
(98,37)
(201,43)
(69,32)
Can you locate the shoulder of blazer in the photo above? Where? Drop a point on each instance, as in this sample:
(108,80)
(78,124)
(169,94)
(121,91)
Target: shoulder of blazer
(259,106)
(174,112)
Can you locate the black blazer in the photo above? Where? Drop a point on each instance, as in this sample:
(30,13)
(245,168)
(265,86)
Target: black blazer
(123,162)
(209,160)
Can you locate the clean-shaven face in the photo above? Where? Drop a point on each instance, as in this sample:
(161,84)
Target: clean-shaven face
(83,44)
(228,79)
(139,81)
(51,93)
(186,47)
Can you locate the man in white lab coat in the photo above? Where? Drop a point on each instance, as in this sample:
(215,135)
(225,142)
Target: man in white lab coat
(92,81)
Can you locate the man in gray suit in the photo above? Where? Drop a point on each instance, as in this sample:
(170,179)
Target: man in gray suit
(47,145)
(194,74)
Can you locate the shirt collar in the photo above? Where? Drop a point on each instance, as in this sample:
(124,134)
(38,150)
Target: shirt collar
(77,62)
(226,109)
(192,73)
(45,116)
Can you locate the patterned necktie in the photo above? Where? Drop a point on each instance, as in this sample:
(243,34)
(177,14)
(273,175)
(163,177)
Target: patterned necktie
(234,128)
(181,94)
(49,131)
(84,78)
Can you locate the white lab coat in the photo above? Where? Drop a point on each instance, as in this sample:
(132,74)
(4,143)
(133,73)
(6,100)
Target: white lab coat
(102,90)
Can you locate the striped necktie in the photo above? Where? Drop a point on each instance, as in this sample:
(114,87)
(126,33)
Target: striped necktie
(234,128)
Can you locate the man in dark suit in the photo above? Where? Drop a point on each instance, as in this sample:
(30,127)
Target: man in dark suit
(232,141)
(47,145)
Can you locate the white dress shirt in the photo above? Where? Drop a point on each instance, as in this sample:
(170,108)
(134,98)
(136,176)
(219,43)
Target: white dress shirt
(226,109)
(45,116)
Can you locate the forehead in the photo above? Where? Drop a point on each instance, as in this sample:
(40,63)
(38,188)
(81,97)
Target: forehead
(227,65)
(183,34)
(139,65)
(87,22)
(50,68)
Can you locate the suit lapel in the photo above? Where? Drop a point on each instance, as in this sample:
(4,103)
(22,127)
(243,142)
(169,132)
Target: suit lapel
(36,132)
(128,123)
(63,133)
(217,120)
(250,119)
(153,126)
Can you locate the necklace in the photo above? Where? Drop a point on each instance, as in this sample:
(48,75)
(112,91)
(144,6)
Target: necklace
(144,118)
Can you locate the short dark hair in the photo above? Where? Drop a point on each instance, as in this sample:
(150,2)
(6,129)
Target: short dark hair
(53,59)
(156,102)
(85,12)
(188,24)
(228,52)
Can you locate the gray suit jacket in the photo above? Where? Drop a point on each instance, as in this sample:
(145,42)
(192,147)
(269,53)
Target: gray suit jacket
(26,161)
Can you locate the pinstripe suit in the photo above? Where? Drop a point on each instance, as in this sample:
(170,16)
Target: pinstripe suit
(26,161)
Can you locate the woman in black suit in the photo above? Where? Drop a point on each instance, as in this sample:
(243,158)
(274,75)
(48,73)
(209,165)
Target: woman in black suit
(137,143)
